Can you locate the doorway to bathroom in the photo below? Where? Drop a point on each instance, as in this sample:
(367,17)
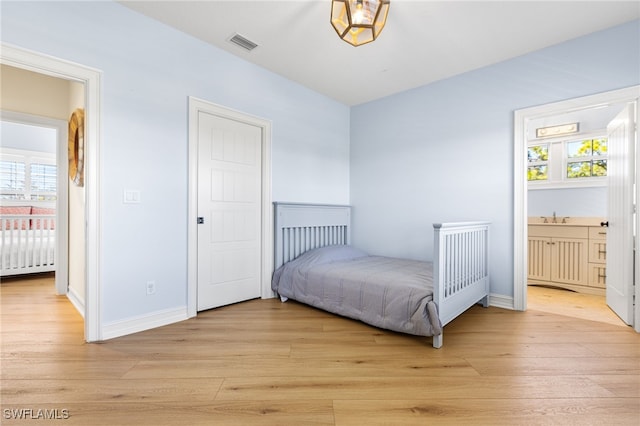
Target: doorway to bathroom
(563,202)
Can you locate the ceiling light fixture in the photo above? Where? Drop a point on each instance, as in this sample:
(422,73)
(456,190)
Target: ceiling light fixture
(359,21)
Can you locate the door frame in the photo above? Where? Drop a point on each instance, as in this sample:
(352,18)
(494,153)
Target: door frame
(521,120)
(266,268)
(91,78)
(62,195)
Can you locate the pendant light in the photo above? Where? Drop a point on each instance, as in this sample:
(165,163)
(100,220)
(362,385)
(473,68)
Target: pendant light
(359,21)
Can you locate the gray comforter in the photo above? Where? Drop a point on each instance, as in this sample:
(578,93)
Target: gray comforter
(394,294)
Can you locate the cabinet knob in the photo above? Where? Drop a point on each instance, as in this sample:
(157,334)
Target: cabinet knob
(604,224)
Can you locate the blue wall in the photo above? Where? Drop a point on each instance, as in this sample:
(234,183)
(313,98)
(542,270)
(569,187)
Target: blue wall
(149,71)
(444,152)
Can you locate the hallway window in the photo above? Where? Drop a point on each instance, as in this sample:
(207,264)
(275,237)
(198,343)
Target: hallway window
(12,178)
(27,175)
(43,179)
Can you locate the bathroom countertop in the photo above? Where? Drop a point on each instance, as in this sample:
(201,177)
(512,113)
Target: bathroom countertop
(571,221)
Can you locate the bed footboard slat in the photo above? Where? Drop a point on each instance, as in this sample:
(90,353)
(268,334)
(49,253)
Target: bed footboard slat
(461,267)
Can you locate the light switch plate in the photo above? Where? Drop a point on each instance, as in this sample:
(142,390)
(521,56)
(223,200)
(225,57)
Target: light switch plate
(131,196)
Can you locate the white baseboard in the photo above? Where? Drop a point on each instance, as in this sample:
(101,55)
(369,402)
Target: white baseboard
(501,301)
(76,301)
(143,322)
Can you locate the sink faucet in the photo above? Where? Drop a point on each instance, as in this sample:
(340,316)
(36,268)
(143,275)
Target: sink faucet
(554,218)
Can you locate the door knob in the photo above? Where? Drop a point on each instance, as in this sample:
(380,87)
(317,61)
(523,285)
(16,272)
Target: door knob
(604,224)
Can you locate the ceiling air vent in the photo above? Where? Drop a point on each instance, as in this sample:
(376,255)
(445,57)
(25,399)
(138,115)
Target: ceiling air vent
(243,42)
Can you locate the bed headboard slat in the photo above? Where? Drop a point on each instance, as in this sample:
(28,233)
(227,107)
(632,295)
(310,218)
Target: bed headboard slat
(302,227)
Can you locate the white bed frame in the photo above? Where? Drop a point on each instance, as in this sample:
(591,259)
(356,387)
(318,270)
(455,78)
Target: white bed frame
(460,263)
(27,249)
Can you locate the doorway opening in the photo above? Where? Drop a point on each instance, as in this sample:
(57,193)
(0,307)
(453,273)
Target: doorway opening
(34,164)
(526,122)
(89,79)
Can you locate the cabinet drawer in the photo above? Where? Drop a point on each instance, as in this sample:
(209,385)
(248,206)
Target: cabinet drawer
(597,233)
(558,231)
(597,275)
(598,251)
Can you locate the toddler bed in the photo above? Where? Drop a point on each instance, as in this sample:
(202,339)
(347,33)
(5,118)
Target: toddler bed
(27,240)
(316,265)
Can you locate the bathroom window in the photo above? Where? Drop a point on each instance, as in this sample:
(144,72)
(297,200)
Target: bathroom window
(586,158)
(538,162)
(567,162)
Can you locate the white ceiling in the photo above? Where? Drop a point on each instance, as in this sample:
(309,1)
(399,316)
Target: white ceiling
(423,40)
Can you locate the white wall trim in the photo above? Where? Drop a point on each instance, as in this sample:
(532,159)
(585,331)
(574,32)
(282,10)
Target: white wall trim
(76,301)
(636,323)
(196,105)
(143,322)
(521,119)
(501,301)
(91,78)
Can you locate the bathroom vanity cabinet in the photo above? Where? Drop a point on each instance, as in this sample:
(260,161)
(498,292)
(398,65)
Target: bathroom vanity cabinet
(571,256)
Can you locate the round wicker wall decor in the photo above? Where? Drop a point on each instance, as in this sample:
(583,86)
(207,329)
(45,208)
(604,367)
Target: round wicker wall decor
(76,147)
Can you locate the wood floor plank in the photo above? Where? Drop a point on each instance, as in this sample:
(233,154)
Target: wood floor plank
(159,349)
(624,386)
(614,349)
(555,365)
(542,337)
(475,411)
(247,366)
(34,392)
(63,369)
(463,349)
(291,388)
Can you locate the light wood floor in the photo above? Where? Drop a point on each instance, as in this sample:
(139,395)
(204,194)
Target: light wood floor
(269,363)
(571,304)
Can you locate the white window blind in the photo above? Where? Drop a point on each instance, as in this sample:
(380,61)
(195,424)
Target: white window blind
(27,175)
(12,178)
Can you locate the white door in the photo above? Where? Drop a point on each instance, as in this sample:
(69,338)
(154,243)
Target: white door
(229,211)
(620,233)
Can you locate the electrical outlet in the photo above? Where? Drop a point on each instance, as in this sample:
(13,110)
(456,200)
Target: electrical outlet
(151,288)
